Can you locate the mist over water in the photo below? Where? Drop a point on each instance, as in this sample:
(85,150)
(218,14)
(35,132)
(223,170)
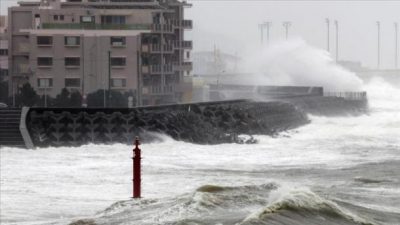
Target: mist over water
(296,63)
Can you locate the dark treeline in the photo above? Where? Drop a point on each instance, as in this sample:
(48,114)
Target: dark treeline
(27,96)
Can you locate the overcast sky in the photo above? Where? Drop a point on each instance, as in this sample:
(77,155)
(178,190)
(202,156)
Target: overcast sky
(232,25)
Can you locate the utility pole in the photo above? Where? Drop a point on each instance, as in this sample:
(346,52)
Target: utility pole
(287,24)
(327,36)
(337,40)
(378,23)
(396,50)
(109,78)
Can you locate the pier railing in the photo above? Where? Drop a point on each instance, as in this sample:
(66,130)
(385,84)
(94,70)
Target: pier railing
(347,95)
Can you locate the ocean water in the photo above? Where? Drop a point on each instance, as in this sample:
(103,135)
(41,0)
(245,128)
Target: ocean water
(336,170)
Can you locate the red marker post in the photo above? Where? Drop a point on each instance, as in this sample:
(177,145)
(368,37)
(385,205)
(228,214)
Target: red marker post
(136,170)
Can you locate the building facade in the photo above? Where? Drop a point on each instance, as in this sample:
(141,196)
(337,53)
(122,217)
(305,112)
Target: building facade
(87,45)
(3,49)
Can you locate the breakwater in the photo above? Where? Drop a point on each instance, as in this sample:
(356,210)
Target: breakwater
(332,103)
(203,123)
(313,100)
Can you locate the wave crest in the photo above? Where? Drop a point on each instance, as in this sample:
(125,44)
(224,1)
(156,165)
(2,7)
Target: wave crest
(306,203)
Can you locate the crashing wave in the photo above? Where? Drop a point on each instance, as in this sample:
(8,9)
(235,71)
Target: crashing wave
(212,204)
(307,204)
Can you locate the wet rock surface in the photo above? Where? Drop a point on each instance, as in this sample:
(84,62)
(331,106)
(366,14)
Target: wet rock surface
(202,123)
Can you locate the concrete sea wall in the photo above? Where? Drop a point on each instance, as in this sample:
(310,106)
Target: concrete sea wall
(203,123)
(330,105)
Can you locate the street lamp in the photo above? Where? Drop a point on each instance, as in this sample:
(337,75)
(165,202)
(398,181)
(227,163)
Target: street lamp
(287,24)
(262,26)
(378,24)
(327,36)
(395,45)
(337,40)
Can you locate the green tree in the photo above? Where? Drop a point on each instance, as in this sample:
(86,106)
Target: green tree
(3,91)
(27,96)
(117,99)
(75,99)
(63,99)
(95,99)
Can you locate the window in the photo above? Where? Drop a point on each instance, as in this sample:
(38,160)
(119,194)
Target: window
(58,17)
(117,41)
(71,41)
(45,61)
(3,51)
(118,61)
(72,61)
(45,82)
(3,72)
(87,19)
(113,20)
(118,82)
(72,82)
(44,40)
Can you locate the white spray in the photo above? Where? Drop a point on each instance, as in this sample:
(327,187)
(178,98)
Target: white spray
(296,63)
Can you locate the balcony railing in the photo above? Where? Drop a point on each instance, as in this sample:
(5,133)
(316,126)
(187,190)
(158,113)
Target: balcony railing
(93,26)
(158,69)
(158,90)
(185,66)
(186,24)
(23,48)
(183,45)
(165,48)
(162,28)
(22,69)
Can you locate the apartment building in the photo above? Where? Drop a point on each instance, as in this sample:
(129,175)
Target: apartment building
(3,49)
(87,45)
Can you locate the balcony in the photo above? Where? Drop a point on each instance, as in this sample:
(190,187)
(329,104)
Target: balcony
(185,66)
(158,69)
(157,49)
(22,69)
(22,49)
(183,45)
(161,69)
(93,26)
(162,28)
(185,24)
(158,90)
